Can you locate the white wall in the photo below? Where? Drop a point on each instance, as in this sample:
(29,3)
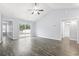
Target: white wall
(50,25)
(73,31)
(0,28)
(78,32)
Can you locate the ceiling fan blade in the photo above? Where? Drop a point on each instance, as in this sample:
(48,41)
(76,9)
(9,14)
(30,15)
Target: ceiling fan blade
(32,12)
(38,13)
(41,10)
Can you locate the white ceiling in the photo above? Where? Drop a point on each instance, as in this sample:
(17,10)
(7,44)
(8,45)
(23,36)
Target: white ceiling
(20,10)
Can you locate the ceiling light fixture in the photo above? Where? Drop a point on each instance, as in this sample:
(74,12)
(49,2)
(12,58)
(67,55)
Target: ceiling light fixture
(36,10)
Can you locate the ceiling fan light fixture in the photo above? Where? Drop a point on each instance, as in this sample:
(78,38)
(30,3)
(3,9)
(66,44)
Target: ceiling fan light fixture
(38,13)
(36,10)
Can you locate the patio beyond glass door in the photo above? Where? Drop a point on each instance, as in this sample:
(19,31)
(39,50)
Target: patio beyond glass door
(25,30)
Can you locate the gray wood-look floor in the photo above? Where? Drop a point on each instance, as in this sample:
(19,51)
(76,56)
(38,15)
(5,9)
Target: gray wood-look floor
(36,46)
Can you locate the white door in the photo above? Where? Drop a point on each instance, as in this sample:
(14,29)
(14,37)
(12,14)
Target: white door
(65,29)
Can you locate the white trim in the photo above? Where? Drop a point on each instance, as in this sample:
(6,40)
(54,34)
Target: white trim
(51,38)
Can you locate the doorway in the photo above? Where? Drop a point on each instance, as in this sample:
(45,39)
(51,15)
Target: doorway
(7,30)
(69,29)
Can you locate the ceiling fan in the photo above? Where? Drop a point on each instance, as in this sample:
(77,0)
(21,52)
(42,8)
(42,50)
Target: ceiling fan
(36,9)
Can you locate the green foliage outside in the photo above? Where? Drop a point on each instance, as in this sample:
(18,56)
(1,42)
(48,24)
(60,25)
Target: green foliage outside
(24,27)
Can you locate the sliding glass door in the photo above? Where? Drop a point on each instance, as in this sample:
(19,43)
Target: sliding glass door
(25,30)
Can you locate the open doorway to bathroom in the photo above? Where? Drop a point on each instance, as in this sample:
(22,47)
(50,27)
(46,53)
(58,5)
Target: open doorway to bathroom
(25,30)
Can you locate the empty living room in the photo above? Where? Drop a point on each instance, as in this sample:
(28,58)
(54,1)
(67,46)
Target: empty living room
(39,29)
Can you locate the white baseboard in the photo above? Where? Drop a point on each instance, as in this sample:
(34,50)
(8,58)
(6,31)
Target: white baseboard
(50,38)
